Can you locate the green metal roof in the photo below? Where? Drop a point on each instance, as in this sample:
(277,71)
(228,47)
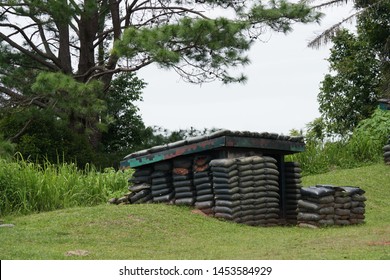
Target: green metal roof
(270,142)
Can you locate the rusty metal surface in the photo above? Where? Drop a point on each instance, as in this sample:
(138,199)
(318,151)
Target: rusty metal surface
(267,142)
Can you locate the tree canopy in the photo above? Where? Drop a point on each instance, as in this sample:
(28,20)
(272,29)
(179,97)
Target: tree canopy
(359,68)
(61,56)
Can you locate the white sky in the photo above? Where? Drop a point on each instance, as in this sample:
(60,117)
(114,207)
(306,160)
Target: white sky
(281,92)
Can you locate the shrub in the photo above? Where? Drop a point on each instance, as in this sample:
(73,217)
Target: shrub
(363,147)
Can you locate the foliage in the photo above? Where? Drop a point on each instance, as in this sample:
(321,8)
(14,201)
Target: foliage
(359,65)
(6,148)
(350,94)
(375,26)
(56,56)
(27,187)
(159,231)
(363,147)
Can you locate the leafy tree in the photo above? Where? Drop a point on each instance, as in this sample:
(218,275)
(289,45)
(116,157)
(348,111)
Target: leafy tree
(57,54)
(349,94)
(359,65)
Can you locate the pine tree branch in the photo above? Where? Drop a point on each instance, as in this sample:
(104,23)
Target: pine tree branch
(24,128)
(326,36)
(38,57)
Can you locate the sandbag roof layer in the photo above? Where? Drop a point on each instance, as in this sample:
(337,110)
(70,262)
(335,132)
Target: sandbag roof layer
(202,141)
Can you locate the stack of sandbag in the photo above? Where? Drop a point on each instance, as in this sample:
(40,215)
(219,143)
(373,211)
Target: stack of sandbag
(349,205)
(247,190)
(316,207)
(386,152)
(292,172)
(266,188)
(226,189)
(203,184)
(162,188)
(358,205)
(140,186)
(182,181)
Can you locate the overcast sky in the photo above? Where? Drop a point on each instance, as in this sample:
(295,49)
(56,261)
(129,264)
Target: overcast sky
(281,92)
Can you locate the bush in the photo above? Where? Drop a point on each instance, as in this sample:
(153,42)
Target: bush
(363,147)
(7,149)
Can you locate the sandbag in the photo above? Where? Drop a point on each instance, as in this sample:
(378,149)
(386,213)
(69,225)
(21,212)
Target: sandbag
(357,197)
(342,200)
(180,184)
(227,210)
(244,190)
(185,201)
(225,174)
(204,191)
(246,184)
(184,195)
(206,197)
(317,191)
(204,186)
(217,180)
(178,178)
(204,204)
(243,168)
(161,186)
(226,190)
(223,169)
(139,187)
(321,200)
(227,203)
(183,189)
(235,196)
(352,190)
(146,199)
(137,196)
(161,192)
(202,174)
(358,210)
(308,217)
(225,186)
(164,198)
(223,163)
(201,180)
(162,180)
(310,206)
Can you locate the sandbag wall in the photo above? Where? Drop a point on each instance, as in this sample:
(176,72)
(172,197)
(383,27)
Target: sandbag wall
(203,183)
(247,190)
(182,182)
(293,175)
(331,205)
(386,152)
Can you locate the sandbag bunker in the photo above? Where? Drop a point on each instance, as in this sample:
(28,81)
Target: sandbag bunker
(236,176)
(331,205)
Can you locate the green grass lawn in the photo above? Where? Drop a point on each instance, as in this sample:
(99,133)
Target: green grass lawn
(153,231)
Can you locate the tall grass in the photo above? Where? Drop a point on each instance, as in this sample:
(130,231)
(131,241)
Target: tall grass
(27,187)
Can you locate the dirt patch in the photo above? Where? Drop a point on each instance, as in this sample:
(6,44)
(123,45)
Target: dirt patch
(77,253)
(198,212)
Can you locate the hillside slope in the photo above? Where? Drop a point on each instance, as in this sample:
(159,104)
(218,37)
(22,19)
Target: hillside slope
(154,231)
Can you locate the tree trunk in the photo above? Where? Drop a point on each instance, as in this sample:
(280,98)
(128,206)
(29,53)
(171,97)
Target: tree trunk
(88,28)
